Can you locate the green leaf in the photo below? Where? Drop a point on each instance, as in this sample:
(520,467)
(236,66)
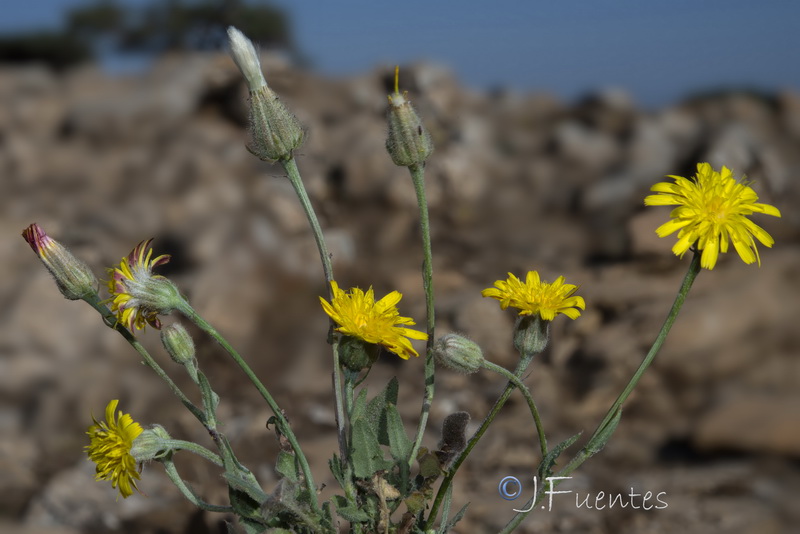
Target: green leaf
(286,465)
(245,483)
(448,498)
(599,441)
(367,454)
(546,467)
(360,405)
(377,406)
(210,399)
(335,464)
(353,514)
(399,443)
(456,519)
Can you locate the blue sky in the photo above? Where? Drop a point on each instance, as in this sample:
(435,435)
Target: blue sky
(657,50)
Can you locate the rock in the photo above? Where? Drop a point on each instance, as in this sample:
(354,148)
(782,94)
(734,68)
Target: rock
(752,422)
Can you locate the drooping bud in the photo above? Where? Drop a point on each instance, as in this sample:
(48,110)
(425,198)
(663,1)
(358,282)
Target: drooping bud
(274,130)
(180,347)
(531,334)
(408,143)
(458,353)
(73,277)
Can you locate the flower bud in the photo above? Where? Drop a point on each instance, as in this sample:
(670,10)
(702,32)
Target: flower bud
(151,444)
(531,334)
(246,58)
(180,347)
(356,355)
(274,131)
(458,353)
(73,277)
(408,143)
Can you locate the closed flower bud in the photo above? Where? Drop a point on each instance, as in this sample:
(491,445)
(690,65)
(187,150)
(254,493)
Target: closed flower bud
(180,347)
(151,444)
(531,334)
(73,277)
(408,143)
(274,131)
(458,353)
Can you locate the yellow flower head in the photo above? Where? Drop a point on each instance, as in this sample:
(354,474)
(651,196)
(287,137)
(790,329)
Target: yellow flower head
(712,213)
(359,316)
(130,287)
(110,449)
(536,297)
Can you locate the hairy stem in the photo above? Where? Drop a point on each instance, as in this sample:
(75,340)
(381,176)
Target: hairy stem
(418,177)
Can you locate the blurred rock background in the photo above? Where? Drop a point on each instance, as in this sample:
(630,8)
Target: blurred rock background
(517,182)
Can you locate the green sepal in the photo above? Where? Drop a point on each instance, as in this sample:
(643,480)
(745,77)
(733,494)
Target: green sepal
(546,467)
(286,465)
(599,441)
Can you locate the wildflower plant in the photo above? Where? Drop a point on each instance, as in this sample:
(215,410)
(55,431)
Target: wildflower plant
(389,481)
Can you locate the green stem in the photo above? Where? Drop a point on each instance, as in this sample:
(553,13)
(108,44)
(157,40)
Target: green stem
(527,394)
(172,473)
(686,285)
(525,360)
(290,166)
(347,459)
(181,445)
(111,321)
(186,309)
(585,453)
(418,177)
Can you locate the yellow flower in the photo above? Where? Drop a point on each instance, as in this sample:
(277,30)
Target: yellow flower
(536,297)
(712,213)
(132,288)
(110,449)
(359,316)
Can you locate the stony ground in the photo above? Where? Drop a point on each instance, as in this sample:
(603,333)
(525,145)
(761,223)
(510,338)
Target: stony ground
(517,182)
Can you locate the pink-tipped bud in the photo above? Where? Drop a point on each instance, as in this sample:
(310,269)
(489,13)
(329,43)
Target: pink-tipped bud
(73,277)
